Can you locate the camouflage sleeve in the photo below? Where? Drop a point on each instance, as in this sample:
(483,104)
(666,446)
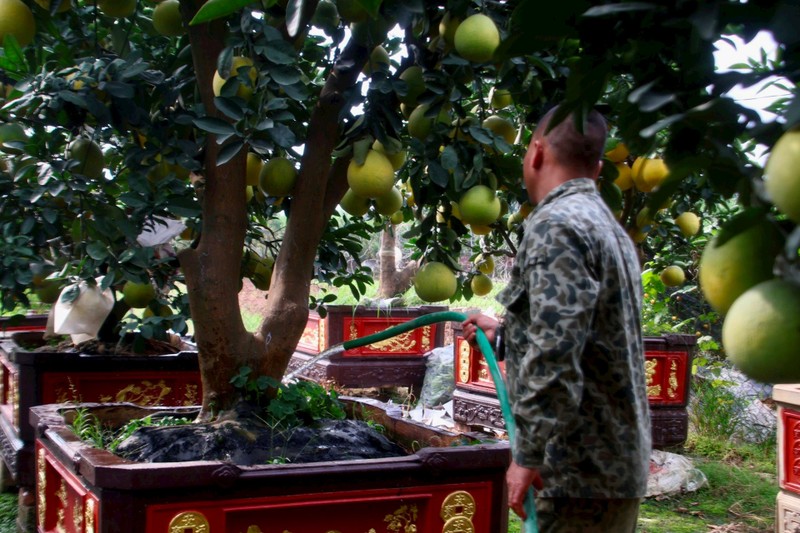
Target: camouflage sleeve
(562,291)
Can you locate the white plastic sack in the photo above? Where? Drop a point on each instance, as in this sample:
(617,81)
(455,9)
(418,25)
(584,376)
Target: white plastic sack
(161,231)
(82,317)
(672,473)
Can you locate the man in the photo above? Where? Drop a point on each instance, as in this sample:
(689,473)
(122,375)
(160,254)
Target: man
(573,343)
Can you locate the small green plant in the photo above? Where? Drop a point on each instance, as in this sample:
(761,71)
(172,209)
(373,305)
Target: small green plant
(253,388)
(88,428)
(291,405)
(714,408)
(304,403)
(128,429)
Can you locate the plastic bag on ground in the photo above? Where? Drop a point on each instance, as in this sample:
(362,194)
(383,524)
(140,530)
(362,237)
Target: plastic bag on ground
(671,473)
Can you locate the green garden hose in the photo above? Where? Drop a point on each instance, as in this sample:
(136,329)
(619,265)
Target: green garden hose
(488,354)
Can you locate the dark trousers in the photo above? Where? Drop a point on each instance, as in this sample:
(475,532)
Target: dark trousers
(587,515)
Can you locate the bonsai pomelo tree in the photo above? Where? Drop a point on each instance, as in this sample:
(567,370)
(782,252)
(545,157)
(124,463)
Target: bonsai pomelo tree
(197,115)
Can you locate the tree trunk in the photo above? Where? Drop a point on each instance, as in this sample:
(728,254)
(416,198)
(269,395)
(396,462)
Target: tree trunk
(212,269)
(393,281)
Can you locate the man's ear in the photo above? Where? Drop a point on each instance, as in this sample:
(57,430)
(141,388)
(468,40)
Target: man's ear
(537,157)
(598,170)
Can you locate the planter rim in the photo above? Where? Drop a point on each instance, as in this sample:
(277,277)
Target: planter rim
(103,469)
(788,393)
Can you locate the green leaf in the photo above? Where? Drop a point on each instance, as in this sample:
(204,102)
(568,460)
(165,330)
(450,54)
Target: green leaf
(282,135)
(229,107)
(215,9)
(615,9)
(97,251)
(213,125)
(229,151)
(294,16)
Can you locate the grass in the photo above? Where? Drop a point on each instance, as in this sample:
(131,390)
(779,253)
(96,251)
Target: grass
(741,490)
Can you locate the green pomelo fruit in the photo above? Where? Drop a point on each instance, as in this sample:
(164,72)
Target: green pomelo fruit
(761,332)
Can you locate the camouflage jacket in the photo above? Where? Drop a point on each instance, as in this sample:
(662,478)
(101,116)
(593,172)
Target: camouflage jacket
(575,360)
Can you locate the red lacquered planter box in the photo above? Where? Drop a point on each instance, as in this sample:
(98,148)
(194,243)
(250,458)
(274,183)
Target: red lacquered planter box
(788,399)
(787,509)
(440,488)
(397,361)
(668,363)
(43,377)
(11,325)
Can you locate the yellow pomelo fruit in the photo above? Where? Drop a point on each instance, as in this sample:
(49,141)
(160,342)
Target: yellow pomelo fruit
(435,282)
(447,28)
(138,295)
(254,166)
(389,203)
(16,19)
(48,290)
(419,126)
(243,91)
(618,154)
(502,127)
(277,177)
(163,311)
(372,179)
(637,235)
(500,98)
(354,204)
(397,217)
(726,271)
(326,16)
(649,173)
(89,156)
(761,332)
(167,18)
(624,179)
(481,284)
(672,276)
(377,58)
(783,175)
(262,272)
(477,38)
(416,85)
(485,264)
(117,8)
(12,132)
(479,205)
(689,223)
(644,218)
(397,158)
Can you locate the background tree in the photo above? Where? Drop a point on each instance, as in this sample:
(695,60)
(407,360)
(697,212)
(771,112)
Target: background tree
(338,91)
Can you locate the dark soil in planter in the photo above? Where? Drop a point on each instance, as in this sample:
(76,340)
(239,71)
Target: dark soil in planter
(129,345)
(249,442)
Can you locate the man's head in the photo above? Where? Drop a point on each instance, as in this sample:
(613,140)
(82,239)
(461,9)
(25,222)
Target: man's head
(563,152)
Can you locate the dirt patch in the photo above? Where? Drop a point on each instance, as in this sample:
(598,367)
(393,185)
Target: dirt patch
(251,299)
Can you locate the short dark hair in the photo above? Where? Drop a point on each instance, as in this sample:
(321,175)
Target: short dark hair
(576,145)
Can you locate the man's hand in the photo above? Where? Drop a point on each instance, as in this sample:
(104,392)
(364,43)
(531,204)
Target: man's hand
(475,321)
(518,480)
